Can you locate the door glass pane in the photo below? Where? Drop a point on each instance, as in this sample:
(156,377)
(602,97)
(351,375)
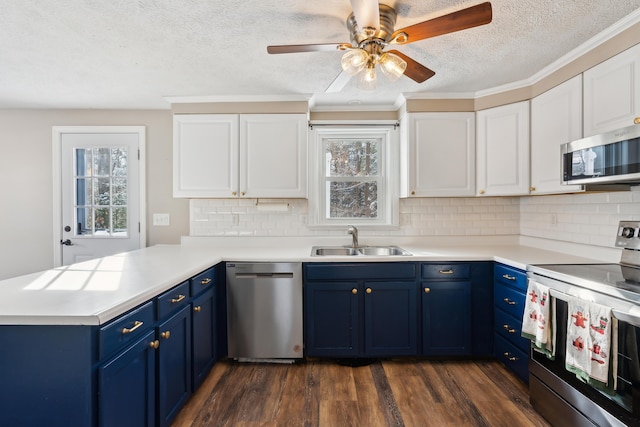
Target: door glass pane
(101,184)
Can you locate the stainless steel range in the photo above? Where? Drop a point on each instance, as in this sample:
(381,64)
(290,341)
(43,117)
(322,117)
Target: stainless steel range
(555,392)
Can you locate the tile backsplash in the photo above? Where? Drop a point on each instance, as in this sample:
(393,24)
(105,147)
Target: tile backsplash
(587,218)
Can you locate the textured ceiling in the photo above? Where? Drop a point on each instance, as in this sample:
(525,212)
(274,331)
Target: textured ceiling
(132,54)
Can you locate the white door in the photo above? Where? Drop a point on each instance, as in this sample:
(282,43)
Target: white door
(100,195)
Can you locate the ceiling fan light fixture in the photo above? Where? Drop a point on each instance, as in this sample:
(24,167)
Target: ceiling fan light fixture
(368,78)
(354,61)
(392,66)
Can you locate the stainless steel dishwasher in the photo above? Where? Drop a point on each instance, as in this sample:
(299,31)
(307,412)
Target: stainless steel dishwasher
(264,311)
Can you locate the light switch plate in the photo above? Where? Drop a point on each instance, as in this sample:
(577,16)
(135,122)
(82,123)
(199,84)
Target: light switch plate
(161,219)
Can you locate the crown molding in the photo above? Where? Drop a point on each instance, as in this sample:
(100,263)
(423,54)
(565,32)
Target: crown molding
(237,98)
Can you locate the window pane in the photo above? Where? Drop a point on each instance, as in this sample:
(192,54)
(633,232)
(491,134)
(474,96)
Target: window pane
(119,190)
(83,162)
(355,157)
(83,191)
(120,222)
(353,199)
(101,161)
(102,195)
(84,226)
(102,221)
(119,162)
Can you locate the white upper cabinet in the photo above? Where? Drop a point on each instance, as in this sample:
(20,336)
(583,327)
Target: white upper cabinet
(231,155)
(438,155)
(273,155)
(503,150)
(556,118)
(612,93)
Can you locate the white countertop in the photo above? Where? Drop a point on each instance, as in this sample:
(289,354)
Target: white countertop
(94,292)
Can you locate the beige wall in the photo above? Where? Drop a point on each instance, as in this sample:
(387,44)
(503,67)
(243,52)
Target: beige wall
(26,227)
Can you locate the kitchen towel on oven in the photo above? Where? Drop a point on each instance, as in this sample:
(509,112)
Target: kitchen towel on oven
(538,324)
(591,343)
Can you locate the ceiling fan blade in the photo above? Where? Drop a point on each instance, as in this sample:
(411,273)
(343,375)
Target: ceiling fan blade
(338,83)
(367,13)
(415,71)
(321,47)
(461,20)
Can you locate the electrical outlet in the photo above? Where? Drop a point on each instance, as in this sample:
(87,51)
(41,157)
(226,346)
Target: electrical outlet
(161,219)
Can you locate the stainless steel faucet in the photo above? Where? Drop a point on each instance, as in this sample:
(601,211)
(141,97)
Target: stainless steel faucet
(354,234)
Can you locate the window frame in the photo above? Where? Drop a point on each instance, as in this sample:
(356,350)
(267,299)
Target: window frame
(388,170)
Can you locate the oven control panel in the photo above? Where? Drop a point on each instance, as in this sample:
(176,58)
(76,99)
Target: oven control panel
(628,236)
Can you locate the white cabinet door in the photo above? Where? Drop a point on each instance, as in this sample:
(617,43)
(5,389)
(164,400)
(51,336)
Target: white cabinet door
(439,155)
(503,150)
(612,93)
(205,155)
(556,118)
(273,155)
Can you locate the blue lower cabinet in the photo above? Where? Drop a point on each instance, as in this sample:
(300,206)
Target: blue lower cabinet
(390,319)
(127,386)
(331,319)
(204,336)
(174,365)
(446,318)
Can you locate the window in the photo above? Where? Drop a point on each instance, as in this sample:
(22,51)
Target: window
(351,177)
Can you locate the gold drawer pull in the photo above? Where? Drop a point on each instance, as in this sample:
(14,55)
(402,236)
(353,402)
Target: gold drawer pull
(354,291)
(176,300)
(427,290)
(509,357)
(509,329)
(449,271)
(154,344)
(636,121)
(197,309)
(165,334)
(368,290)
(508,301)
(136,325)
(506,276)
(206,281)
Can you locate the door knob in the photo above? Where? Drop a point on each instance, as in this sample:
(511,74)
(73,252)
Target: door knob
(66,242)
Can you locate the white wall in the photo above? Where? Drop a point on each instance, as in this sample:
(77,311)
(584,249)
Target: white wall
(26,203)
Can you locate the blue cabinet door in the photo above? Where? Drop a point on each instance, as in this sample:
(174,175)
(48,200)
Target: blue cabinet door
(204,337)
(174,365)
(331,319)
(391,322)
(446,318)
(127,386)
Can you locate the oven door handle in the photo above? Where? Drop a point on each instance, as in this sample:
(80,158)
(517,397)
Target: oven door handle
(631,318)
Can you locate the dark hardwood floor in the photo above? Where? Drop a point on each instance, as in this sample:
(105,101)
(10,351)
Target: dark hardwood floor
(398,392)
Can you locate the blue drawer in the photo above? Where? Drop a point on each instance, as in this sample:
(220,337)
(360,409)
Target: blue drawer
(512,357)
(445,271)
(125,329)
(203,281)
(511,329)
(510,276)
(508,299)
(175,298)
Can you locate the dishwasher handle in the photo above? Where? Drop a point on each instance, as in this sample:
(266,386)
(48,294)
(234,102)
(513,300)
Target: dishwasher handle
(264,275)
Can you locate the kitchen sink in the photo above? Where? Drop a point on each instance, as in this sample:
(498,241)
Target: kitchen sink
(359,251)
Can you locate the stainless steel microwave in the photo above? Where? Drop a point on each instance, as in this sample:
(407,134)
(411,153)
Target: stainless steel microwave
(608,158)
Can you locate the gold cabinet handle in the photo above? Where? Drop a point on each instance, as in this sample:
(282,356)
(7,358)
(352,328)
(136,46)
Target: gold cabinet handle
(205,281)
(427,290)
(636,121)
(508,301)
(176,300)
(354,291)
(449,271)
(509,329)
(481,192)
(233,193)
(413,193)
(506,276)
(154,344)
(165,334)
(136,325)
(368,290)
(532,188)
(509,357)
(242,193)
(197,309)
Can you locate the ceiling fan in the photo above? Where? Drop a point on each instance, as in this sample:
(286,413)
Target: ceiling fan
(371,26)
